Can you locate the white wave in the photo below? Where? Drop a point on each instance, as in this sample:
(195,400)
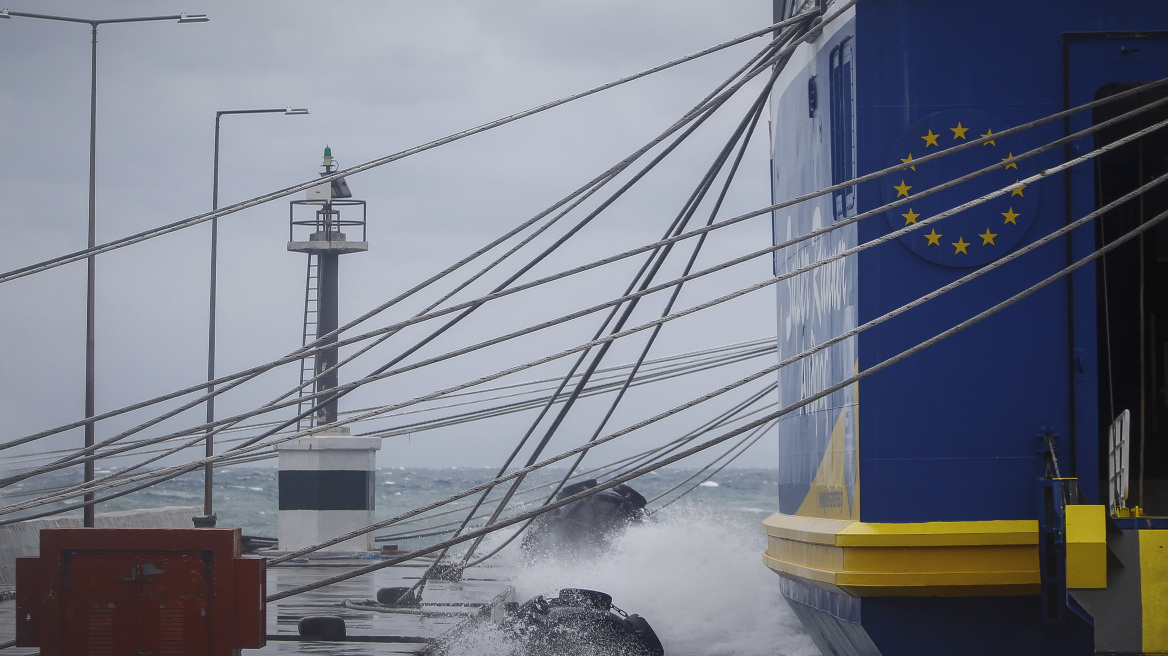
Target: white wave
(696,576)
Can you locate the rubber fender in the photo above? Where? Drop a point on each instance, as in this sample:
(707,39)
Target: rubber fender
(325,627)
(398,597)
(575,488)
(536,605)
(647,635)
(586,598)
(632,495)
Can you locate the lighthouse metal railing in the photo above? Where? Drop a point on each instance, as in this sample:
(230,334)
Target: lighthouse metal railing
(326,222)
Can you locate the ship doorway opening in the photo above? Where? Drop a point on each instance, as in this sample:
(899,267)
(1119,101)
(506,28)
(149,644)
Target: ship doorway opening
(1132,296)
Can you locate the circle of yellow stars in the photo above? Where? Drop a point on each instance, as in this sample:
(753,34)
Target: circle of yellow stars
(933,238)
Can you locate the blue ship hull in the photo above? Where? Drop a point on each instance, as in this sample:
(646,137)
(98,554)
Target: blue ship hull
(958,501)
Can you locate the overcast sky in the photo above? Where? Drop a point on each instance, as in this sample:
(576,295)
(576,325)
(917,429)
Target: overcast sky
(378,77)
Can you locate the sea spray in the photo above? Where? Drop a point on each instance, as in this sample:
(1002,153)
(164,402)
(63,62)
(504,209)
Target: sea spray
(694,574)
(485,640)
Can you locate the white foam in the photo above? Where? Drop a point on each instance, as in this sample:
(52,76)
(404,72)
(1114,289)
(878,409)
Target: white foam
(695,576)
(486,640)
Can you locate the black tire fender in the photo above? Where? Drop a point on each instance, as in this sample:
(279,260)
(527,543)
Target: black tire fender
(647,635)
(326,627)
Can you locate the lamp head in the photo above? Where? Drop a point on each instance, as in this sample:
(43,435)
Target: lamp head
(300,111)
(193,18)
(4,13)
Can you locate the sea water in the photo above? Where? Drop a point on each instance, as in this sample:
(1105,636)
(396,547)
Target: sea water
(694,570)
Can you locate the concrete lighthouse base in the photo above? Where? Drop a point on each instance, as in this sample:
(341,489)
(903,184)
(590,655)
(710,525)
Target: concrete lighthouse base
(327,484)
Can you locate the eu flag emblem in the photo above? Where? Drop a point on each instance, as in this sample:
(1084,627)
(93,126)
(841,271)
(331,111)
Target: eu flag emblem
(975,236)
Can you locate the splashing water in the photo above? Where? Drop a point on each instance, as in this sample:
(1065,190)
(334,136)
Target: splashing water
(695,575)
(485,640)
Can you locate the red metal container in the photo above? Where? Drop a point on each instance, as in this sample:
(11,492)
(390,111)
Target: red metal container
(149,592)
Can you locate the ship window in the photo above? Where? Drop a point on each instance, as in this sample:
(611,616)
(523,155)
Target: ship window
(1132,289)
(843,127)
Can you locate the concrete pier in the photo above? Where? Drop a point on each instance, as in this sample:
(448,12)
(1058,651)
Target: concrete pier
(22,539)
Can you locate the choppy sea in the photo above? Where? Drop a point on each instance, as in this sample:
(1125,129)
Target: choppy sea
(694,570)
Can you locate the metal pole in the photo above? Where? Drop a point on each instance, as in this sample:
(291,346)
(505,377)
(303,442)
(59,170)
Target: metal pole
(208,518)
(87,517)
(327,323)
(92,269)
(209,470)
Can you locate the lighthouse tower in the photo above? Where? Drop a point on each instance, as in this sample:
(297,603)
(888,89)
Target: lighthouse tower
(327,479)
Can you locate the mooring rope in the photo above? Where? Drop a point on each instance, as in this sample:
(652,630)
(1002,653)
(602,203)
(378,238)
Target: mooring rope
(259,200)
(722,438)
(296,355)
(171,472)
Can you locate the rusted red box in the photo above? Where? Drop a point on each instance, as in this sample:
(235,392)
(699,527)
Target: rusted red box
(140,591)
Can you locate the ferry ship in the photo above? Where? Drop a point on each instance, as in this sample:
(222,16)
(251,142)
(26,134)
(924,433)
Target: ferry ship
(981,470)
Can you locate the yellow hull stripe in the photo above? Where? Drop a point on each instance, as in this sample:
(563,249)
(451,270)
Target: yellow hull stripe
(1154,590)
(922,559)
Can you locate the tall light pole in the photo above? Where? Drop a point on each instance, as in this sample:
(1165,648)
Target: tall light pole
(208,518)
(89,291)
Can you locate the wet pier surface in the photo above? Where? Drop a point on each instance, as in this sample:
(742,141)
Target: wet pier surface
(445,606)
(373,631)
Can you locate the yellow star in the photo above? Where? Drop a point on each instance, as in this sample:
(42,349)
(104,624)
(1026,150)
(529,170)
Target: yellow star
(960,244)
(934,238)
(911,217)
(959,132)
(930,139)
(908,160)
(1018,191)
(1011,215)
(902,189)
(989,133)
(1011,165)
(987,239)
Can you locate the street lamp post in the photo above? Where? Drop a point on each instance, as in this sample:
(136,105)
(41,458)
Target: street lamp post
(208,518)
(89,292)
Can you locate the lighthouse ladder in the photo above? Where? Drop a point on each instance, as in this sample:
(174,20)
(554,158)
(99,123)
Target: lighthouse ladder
(311,317)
